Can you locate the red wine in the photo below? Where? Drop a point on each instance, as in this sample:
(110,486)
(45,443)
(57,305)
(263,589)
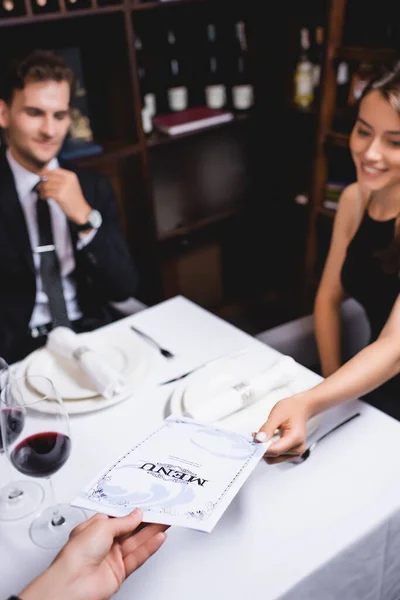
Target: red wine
(42,454)
(13,419)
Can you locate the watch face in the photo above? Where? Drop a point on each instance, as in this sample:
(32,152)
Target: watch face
(95,219)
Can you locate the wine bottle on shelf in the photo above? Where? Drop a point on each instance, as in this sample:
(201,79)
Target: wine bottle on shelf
(343,82)
(12,8)
(46,6)
(318,53)
(242,90)
(72,5)
(359,81)
(303,77)
(7,6)
(215,91)
(177,91)
(148,98)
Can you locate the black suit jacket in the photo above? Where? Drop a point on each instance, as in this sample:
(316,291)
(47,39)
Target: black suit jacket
(104,270)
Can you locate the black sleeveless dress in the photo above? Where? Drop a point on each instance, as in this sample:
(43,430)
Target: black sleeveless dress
(363,278)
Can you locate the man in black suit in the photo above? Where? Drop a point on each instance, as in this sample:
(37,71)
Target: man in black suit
(63,257)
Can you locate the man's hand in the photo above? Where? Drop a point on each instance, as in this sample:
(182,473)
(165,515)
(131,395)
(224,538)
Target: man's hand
(99,555)
(63,186)
(290,417)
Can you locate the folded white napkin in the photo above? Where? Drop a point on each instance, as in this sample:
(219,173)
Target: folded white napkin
(64,342)
(244,392)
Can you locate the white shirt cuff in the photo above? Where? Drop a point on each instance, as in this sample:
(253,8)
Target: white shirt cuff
(85,238)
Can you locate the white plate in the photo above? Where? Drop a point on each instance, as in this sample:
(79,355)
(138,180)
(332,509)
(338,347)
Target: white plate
(138,354)
(217,376)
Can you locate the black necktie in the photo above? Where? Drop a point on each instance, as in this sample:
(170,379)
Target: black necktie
(50,267)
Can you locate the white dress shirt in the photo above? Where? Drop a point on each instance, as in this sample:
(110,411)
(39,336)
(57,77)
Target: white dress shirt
(25,181)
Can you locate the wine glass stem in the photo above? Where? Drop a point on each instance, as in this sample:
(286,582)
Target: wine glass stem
(57,518)
(14,493)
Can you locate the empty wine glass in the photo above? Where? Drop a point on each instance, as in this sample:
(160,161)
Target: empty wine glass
(40,450)
(18,499)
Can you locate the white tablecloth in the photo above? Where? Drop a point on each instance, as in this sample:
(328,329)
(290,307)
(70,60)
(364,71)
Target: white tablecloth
(326,529)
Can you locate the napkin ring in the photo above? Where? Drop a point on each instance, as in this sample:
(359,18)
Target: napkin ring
(246,393)
(79,351)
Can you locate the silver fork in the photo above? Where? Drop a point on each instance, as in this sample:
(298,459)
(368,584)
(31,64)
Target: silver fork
(307,452)
(163,351)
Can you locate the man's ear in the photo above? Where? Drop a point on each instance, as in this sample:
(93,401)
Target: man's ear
(3,114)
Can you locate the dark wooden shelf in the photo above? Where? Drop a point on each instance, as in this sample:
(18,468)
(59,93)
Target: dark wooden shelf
(56,16)
(112,152)
(158,139)
(199,224)
(338,139)
(296,110)
(346,112)
(359,54)
(152,5)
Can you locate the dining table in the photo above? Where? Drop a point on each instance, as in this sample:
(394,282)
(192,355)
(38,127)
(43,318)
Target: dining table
(325,529)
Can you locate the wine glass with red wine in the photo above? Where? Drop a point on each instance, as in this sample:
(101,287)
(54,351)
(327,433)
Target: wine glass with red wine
(40,450)
(18,499)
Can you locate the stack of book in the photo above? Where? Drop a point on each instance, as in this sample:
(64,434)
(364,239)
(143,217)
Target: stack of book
(333,190)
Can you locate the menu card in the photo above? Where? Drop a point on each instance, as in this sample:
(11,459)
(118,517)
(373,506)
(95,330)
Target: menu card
(184,473)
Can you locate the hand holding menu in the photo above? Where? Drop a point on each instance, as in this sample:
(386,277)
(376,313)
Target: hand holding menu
(184,473)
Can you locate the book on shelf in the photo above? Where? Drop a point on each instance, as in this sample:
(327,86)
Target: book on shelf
(330,204)
(191,119)
(76,148)
(333,190)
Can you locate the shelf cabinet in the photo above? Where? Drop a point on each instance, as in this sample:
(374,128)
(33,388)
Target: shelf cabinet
(179,196)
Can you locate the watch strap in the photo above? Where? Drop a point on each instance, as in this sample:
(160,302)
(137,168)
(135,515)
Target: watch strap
(93,215)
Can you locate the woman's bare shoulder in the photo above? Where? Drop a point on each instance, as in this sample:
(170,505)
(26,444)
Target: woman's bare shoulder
(352,204)
(353,194)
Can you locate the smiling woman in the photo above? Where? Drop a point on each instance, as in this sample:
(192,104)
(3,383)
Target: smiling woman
(364,256)
(375,142)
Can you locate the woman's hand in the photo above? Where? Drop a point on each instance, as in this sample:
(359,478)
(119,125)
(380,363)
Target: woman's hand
(100,554)
(290,417)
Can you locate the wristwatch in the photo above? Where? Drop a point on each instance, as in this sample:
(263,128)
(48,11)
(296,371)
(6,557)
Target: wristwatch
(94,221)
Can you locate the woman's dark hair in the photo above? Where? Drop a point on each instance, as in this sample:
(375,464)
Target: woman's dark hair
(39,65)
(386,81)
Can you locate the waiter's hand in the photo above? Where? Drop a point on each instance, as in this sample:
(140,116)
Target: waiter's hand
(290,417)
(63,186)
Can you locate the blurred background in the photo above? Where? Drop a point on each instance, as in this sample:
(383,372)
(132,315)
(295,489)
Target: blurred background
(224,129)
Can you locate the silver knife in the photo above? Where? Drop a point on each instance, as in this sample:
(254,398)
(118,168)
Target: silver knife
(207,362)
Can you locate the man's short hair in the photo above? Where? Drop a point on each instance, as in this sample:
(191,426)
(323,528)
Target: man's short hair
(39,65)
